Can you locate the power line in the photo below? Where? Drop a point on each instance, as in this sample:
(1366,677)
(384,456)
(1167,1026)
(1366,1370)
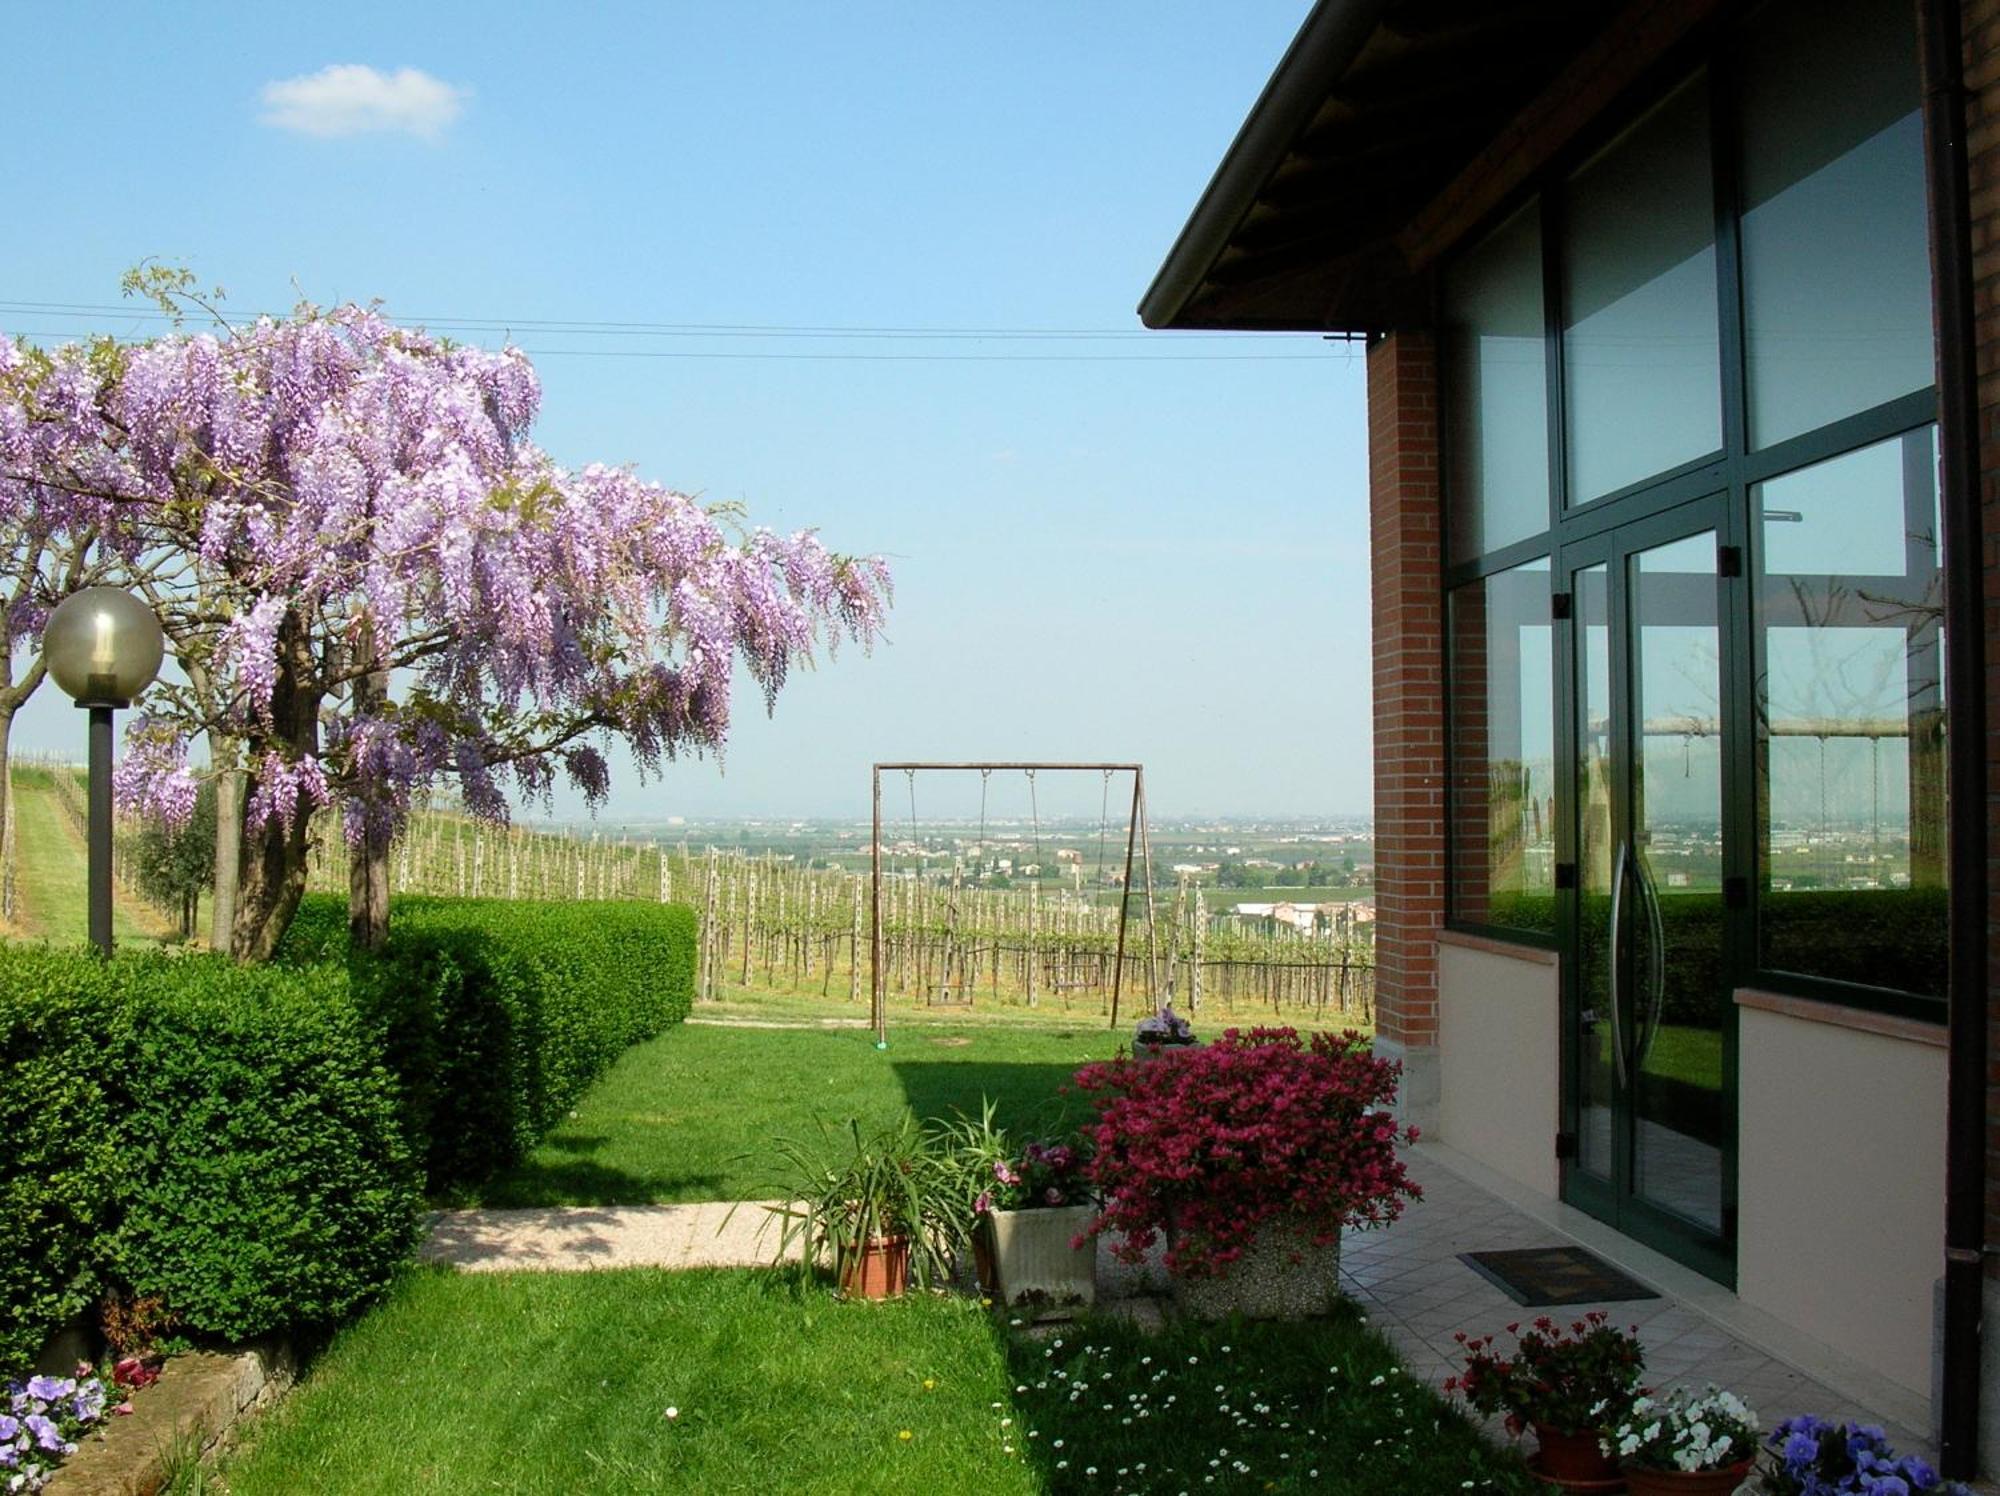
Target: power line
(887,358)
(694,329)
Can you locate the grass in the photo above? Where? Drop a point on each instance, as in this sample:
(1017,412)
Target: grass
(691,1115)
(53,871)
(561,1383)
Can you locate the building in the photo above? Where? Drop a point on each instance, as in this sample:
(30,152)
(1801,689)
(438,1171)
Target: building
(1676,314)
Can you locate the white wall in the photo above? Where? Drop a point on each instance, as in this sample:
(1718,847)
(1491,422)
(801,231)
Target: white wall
(1499,1050)
(1841,1180)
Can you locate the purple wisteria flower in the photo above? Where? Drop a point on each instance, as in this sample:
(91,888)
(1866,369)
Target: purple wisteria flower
(380,582)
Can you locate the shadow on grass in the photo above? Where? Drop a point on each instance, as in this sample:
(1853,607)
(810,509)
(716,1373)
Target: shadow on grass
(1029,1100)
(542,1180)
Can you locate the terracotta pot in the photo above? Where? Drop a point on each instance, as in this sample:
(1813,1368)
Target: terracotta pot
(983,1270)
(1723,1482)
(1574,1462)
(881,1270)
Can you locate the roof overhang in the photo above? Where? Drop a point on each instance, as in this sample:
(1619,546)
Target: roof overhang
(1315,220)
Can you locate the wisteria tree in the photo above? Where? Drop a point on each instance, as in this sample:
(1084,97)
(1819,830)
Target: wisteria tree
(373,581)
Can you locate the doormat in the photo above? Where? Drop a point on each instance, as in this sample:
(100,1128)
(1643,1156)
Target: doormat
(1545,1277)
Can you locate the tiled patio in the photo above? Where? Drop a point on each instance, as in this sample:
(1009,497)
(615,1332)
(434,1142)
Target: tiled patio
(1415,1290)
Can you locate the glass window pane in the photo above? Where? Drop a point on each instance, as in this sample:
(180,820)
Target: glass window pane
(1503,751)
(1641,352)
(1496,393)
(1851,813)
(1836,266)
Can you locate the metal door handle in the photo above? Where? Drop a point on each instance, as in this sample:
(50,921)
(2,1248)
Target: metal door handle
(1617,901)
(1657,965)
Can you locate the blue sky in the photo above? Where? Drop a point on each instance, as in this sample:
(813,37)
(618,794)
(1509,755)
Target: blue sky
(1157,552)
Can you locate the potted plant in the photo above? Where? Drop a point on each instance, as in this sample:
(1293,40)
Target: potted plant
(1250,1155)
(882,1208)
(1032,1215)
(1564,1383)
(1165,1031)
(1808,1456)
(1684,1444)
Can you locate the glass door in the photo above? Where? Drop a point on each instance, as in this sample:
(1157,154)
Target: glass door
(1648,1010)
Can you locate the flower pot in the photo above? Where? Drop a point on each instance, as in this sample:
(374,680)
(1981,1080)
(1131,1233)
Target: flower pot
(1283,1274)
(1573,1462)
(1033,1261)
(880,1270)
(1723,1482)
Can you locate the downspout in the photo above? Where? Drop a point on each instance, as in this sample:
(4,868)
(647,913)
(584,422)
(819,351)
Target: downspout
(1965,642)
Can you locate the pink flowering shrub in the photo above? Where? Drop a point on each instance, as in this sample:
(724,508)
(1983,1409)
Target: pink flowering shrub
(1255,1127)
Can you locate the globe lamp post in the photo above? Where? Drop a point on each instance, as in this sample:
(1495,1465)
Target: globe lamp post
(103,647)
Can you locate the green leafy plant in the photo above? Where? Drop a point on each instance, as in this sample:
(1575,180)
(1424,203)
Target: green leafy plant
(1684,1431)
(847,1189)
(496,1015)
(61,1168)
(271,1186)
(1574,1380)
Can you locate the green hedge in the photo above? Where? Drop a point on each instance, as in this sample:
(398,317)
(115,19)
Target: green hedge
(60,1160)
(247,1143)
(495,1015)
(223,1137)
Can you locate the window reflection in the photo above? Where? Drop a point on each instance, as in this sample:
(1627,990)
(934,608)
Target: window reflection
(1836,267)
(1496,368)
(1852,814)
(1641,346)
(1503,751)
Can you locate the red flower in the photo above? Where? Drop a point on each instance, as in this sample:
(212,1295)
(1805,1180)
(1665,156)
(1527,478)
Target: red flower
(1254,1127)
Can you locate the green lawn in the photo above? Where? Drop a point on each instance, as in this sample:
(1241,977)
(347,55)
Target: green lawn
(52,880)
(561,1383)
(691,1115)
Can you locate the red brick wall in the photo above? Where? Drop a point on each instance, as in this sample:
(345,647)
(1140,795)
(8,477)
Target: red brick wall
(1405,536)
(1982,79)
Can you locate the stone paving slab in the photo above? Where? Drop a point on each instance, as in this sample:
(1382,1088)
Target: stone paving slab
(581,1237)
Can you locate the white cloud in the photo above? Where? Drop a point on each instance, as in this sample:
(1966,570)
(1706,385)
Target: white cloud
(351,99)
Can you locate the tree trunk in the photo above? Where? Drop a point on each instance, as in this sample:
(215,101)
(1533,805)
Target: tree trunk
(7,869)
(368,859)
(223,757)
(273,881)
(273,875)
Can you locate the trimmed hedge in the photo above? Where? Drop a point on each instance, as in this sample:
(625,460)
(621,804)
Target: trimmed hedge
(60,1161)
(247,1143)
(277,1187)
(495,1015)
(223,1137)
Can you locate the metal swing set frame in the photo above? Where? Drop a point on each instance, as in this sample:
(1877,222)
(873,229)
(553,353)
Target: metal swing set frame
(1137,842)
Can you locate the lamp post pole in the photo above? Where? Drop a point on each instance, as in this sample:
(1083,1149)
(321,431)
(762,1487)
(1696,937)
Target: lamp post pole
(103,647)
(100,825)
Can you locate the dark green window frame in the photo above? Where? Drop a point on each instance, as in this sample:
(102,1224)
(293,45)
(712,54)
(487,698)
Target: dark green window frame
(1730,471)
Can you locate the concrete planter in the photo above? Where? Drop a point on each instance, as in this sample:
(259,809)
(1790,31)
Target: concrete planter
(1283,1274)
(1033,1262)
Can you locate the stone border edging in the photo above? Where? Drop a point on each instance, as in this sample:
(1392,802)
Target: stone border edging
(198,1400)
